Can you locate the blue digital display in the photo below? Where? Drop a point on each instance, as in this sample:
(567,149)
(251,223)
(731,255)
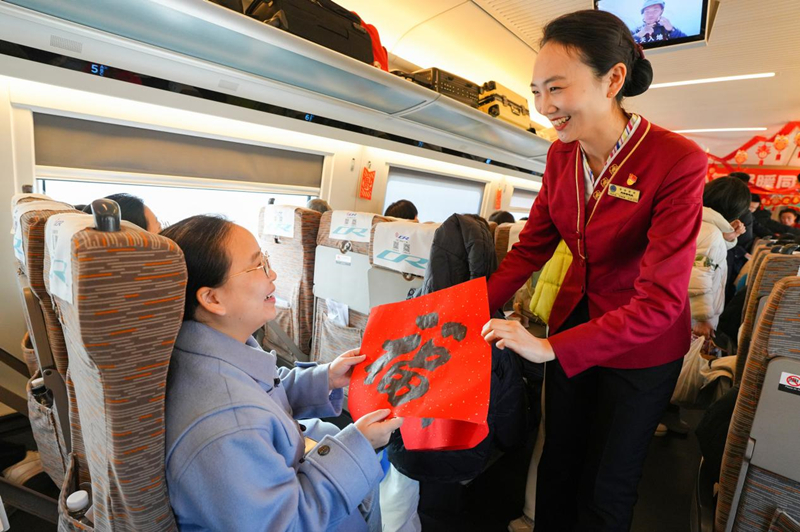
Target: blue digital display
(309,118)
(99,70)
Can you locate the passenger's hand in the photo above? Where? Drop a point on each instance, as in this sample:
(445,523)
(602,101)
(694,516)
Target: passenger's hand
(703,328)
(341,369)
(513,335)
(376,431)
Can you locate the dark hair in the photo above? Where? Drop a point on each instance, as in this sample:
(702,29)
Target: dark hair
(789,209)
(728,196)
(131,208)
(401,209)
(319,205)
(202,239)
(741,175)
(602,40)
(755,198)
(502,217)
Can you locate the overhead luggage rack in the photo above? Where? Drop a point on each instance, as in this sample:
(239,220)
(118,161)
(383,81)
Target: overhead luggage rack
(288,69)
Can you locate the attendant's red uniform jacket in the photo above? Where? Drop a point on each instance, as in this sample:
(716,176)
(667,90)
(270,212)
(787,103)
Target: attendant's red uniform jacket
(631,260)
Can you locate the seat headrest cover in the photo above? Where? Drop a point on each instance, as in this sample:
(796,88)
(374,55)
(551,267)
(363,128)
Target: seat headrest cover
(403,247)
(58,235)
(353,226)
(18,198)
(513,233)
(276,220)
(22,208)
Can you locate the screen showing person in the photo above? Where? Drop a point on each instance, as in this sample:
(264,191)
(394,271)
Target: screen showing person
(656,23)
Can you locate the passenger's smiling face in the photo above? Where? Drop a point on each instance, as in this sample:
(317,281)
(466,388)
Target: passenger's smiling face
(567,91)
(248,293)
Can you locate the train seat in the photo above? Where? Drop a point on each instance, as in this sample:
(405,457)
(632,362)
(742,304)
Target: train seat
(399,253)
(341,273)
(289,235)
(50,423)
(120,294)
(759,486)
(768,270)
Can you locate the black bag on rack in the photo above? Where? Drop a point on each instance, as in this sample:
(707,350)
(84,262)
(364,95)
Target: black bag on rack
(321,21)
(235,5)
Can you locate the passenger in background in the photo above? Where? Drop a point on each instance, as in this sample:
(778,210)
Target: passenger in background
(134,211)
(502,217)
(763,218)
(788,216)
(403,209)
(319,205)
(236,458)
(725,200)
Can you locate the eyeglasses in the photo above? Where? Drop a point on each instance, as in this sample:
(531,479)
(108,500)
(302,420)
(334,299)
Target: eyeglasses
(263,266)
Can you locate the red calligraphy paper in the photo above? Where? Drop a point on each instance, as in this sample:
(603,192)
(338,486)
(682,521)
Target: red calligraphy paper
(428,363)
(367,182)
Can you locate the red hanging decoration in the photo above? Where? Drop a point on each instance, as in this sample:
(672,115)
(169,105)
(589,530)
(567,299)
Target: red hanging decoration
(780,143)
(763,152)
(797,142)
(740,158)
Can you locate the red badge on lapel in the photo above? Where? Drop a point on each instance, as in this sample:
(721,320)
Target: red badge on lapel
(632,179)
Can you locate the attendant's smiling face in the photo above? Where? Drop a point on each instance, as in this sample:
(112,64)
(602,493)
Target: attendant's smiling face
(569,93)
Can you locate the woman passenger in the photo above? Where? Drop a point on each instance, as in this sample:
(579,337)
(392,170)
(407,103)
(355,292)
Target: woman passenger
(236,457)
(625,196)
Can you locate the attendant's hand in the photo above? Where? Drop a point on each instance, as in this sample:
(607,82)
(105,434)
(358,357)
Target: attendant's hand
(513,335)
(376,431)
(341,369)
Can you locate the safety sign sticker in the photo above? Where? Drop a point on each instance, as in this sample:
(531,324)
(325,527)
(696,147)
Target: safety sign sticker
(790,383)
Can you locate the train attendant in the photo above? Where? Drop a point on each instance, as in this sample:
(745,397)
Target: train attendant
(626,197)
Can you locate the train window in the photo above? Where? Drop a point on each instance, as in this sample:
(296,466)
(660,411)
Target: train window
(436,197)
(172,203)
(521,202)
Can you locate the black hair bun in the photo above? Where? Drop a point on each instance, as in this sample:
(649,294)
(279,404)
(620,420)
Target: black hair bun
(641,78)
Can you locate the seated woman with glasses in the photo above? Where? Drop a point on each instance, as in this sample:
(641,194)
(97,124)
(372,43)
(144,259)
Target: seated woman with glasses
(236,458)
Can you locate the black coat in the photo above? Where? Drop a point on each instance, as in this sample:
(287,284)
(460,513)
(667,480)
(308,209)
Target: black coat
(763,218)
(463,249)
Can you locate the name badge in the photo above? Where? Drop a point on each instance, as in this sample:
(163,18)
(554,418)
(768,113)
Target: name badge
(628,194)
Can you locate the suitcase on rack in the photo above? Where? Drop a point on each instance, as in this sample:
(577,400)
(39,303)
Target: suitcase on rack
(505,104)
(320,21)
(449,85)
(235,5)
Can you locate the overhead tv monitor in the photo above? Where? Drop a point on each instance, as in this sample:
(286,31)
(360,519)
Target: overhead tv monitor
(659,23)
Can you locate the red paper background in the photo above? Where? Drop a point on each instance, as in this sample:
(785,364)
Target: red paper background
(459,389)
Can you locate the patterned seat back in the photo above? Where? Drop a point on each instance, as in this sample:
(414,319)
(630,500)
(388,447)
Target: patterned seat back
(505,236)
(341,275)
(771,268)
(121,316)
(760,477)
(492,228)
(51,426)
(291,245)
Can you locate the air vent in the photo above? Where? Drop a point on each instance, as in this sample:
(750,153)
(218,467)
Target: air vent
(66,44)
(228,85)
